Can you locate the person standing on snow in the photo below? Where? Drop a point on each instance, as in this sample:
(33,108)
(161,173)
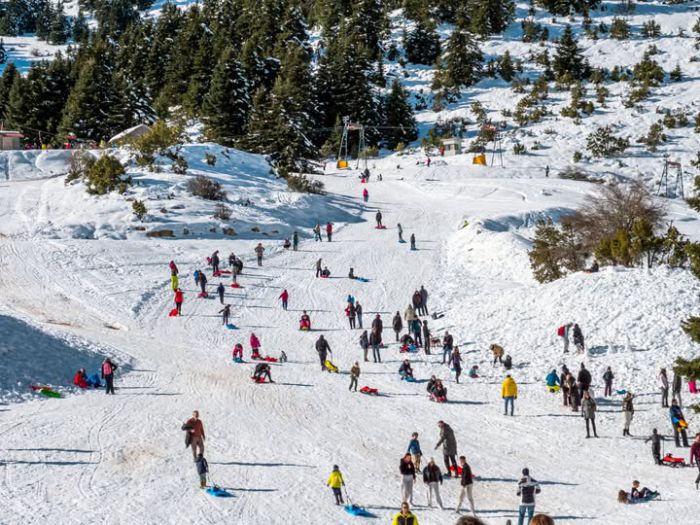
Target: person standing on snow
(449,447)
(365,195)
(405,516)
(202,470)
(225,314)
(584,380)
(412,240)
(509,392)
(408,477)
(173,268)
(364,344)
(656,440)
(329,231)
(350,314)
(424,300)
(203,283)
(375,340)
(663,386)
(335,482)
(432,477)
(608,377)
(108,369)
(377,324)
(417,302)
(255,344)
(695,458)
(195,434)
(564,334)
(295,241)
(378,218)
(456,360)
(397,325)
(679,424)
(578,338)
(588,409)
(416,330)
(323,349)
(497,351)
(221,290)
(400,229)
(259,250)
(676,386)
(215,261)
(566,394)
(447,345)
(284,296)
(317,233)
(574,396)
(415,451)
(628,410)
(426,338)
(179,299)
(354,375)
(358,313)
(466,485)
(527,488)
(319,267)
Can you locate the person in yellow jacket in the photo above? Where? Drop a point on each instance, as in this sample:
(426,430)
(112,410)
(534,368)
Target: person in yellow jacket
(509,392)
(405,516)
(335,482)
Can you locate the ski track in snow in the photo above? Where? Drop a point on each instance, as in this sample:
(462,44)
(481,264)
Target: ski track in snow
(274,445)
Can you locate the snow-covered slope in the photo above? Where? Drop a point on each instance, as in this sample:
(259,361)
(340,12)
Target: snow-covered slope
(274,445)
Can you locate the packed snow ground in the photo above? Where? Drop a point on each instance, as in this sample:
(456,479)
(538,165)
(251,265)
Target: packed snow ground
(121,459)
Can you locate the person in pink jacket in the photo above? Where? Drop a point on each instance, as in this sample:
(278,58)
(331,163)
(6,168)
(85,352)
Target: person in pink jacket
(108,369)
(255,344)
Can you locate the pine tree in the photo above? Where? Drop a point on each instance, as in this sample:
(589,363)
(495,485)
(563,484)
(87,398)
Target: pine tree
(461,63)
(399,118)
(422,44)
(80,30)
(367,24)
(59,28)
(489,17)
(505,67)
(568,58)
(9,75)
(676,74)
(227,104)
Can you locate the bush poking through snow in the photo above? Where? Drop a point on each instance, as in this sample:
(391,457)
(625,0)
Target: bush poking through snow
(222,212)
(105,175)
(554,252)
(303,184)
(157,141)
(139,209)
(603,143)
(206,188)
(210,159)
(80,163)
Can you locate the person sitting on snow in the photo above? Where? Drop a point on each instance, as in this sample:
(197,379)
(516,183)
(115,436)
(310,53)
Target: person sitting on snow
(439,392)
(405,369)
(325,272)
(474,372)
(637,494)
(80,379)
(406,340)
(287,244)
(305,321)
(262,370)
(238,351)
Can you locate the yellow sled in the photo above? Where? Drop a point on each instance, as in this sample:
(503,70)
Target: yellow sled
(554,388)
(331,367)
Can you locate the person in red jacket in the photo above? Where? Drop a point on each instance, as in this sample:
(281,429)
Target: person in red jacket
(173,268)
(329,231)
(80,379)
(255,344)
(179,298)
(365,195)
(284,296)
(695,458)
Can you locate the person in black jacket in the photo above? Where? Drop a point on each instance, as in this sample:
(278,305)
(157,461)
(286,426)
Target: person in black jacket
(578,338)
(220,290)
(564,386)
(527,488)
(432,477)
(426,338)
(203,282)
(377,324)
(408,476)
(656,440)
(262,370)
(375,340)
(225,314)
(584,380)
(608,377)
(323,348)
(202,469)
(397,325)
(466,484)
(447,344)
(364,344)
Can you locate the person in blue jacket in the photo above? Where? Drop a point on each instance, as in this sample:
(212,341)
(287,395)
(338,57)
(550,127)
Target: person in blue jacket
(553,381)
(415,451)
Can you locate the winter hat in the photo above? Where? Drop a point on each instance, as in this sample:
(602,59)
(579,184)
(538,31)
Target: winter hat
(336,467)
(526,472)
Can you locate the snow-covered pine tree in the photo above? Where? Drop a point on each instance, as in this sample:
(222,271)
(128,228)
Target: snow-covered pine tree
(422,43)
(461,63)
(398,117)
(490,17)
(568,58)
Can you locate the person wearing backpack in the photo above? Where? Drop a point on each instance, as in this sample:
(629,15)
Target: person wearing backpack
(108,368)
(527,489)
(563,332)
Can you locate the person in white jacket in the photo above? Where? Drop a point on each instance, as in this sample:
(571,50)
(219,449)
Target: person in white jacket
(663,386)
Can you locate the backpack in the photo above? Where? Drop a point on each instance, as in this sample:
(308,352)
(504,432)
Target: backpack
(561,331)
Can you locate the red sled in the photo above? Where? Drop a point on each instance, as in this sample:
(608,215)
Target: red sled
(256,355)
(380,227)
(173,312)
(203,295)
(258,380)
(369,391)
(219,273)
(236,285)
(270,359)
(324,276)
(672,461)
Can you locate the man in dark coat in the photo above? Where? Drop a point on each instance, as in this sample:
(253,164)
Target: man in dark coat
(397,325)
(449,447)
(323,348)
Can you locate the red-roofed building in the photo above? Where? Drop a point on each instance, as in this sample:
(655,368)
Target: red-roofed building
(10,139)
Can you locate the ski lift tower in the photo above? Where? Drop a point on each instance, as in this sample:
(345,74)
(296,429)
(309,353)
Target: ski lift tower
(664,188)
(493,130)
(343,156)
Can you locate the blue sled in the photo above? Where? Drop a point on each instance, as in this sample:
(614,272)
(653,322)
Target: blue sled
(231,326)
(356,510)
(237,360)
(362,279)
(402,241)
(409,379)
(218,492)
(622,392)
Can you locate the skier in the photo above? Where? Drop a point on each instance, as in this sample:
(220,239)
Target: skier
(215,262)
(364,344)
(497,351)
(449,446)
(663,385)
(317,233)
(415,451)
(456,361)
(108,368)
(588,408)
(397,325)
(695,458)
(378,218)
(255,345)
(412,240)
(203,283)
(628,409)
(578,338)
(319,267)
(350,314)
(173,268)
(584,380)
(447,345)
(335,482)
(220,290)
(259,250)
(323,349)
(179,298)
(509,392)
(354,375)
(405,516)
(400,229)
(225,314)
(608,377)
(424,300)
(563,332)
(656,440)
(365,195)
(466,483)
(295,241)
(375,340)
(358,313)
(553,381)
(527,488)
(195,434)
(676,385)
(202,469)
(679,424)
(262,370)
(426,338)
(432,477)
(284,296)
(329,231)
(408,477)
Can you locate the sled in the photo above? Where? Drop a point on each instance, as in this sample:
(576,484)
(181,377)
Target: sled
(258,380)
(331,367)
(356,510)
(409,379)
(238,360)
(553,388)
(324,276)
(219,273)
(270,359)
(255,355)
(408,349)
(236,285)
(231,326)
(362,279)
(382,227)
(218,492)
(682,424)
(436,399)
(402,241)
(369,391)
(621,392)
(46,391)
(458,470)
(203,295)
(304,328)
(173,313)
(672,461)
